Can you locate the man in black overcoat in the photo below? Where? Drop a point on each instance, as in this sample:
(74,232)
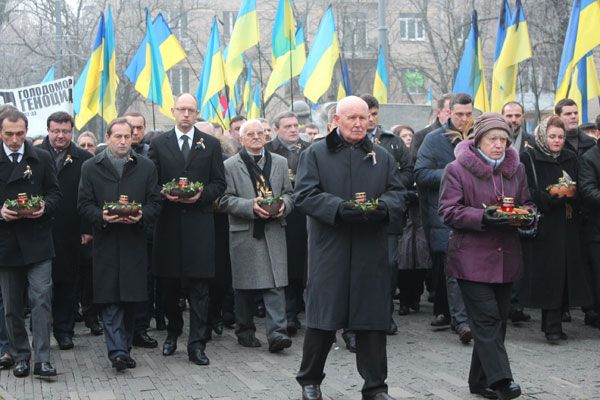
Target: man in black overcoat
(67,230)
(26,248)
(289,145)
(348,271)
(120,260)
(184,238)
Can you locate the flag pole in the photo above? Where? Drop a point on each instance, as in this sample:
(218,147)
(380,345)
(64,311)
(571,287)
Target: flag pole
(197,100)
(260,75)
(153,117)
(291,68)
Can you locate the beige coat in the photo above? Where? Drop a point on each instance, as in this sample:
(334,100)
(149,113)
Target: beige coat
(255,263)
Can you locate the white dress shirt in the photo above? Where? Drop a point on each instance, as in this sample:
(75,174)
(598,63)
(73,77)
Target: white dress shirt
(180,134)
(8,152)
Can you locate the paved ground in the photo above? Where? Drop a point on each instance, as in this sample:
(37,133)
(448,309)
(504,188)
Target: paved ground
(423,364)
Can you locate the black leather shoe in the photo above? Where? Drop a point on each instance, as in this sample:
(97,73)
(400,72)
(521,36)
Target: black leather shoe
(440,320)
(249,341)
(553,338)
(143,340)
(260,311)
(65,343)
(130,362)
(379,396)
(350,339)
(507,391)
(44,369)
(6,360)
(416,306)
(218,327)
(95,327)
(393,329)
(228,320)
(293,326)
(403,309)
(169,346)
(182,303)
(464,334)
(119,363)
(198,357)
(519,315)
(592,319)
(278,344)
(21,369)
(566,317)
(485,393)
(311,392)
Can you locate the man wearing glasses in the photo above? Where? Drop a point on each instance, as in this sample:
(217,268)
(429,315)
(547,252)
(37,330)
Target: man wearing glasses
(66,229)
(184,240)
(257,241)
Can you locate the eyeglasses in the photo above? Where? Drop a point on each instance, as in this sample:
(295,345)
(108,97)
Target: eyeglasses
(255,133)
(184,110)
(63,131)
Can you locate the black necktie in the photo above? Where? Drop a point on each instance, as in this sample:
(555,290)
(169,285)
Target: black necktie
(15,157)
(185,148)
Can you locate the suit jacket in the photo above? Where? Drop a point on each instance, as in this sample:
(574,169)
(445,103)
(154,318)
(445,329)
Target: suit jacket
(184,239)
(66,229)
(120,257)
(256,263)
(27,241)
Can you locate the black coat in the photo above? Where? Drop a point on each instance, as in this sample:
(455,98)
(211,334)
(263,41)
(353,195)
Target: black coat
(295,230)
(589,190)
(584,143)
(184,236)
(419,137)
(553,259)
(120,259)
(67,229)
(348,271)
(27,241)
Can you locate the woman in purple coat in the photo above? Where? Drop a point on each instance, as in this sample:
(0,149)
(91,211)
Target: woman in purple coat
(484,251)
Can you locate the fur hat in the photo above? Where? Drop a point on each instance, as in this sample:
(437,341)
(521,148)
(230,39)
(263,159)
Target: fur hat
(488,121)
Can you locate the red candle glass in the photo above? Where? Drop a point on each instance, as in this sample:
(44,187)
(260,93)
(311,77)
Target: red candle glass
(183,182)
(22,198)
(508,204)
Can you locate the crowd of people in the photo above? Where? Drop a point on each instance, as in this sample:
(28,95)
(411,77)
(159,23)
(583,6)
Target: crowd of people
(274,228)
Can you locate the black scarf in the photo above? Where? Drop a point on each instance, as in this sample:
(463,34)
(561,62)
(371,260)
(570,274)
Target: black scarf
(259,177)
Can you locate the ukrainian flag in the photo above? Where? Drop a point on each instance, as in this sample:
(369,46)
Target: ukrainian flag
(159,51)
(470,78)
(254,110)
(248,88)
(49,75)
(282,72)
(212,78)
(317,74)
(584,85)
(341,93)
(582,36)
(213,111)
(243,36)
(380,86)
(95,90)
(512,47)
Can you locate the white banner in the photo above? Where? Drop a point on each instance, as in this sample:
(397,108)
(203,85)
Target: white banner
(37,102)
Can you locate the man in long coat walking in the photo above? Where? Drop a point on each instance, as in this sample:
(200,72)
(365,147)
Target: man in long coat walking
(184,239)
(348,273)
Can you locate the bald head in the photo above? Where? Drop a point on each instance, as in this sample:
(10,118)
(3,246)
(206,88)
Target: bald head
(185,111)
(351,118)
(206,127)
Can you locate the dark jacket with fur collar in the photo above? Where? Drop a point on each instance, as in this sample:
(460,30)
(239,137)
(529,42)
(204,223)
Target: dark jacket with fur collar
(476,253)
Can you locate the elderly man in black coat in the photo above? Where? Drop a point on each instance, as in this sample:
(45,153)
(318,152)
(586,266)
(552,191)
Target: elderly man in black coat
(184,236)
(120,260)
(348,271)
(26,249)
(67,229)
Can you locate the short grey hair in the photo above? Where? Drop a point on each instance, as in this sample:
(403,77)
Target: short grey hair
(247,123)
(286,114)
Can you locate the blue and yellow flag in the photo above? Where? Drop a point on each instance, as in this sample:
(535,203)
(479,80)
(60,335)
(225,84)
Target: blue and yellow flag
(254,110)
(512,47)
(582,36)
(212,78)
(288,65)
(380,85)
(158,52)
(341,93)
(317,74)
(243,36)
(346,78)
(470,78)
(248,86)
(95,90)
(49,75)
(584,85)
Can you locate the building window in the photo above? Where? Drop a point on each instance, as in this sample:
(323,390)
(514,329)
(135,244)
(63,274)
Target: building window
(180,80)
(413,81)
(411,27)
(355,32)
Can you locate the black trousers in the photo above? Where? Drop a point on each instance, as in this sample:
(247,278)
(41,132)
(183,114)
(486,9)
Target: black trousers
(89,310)
(64,304)
(217,295)
(593,255)
(410,283)
(197,294)
(294,299)
(371,359)
(440,301)
(488,305)
(145,310)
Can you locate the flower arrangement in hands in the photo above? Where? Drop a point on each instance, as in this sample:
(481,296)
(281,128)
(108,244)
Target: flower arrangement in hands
(23,205)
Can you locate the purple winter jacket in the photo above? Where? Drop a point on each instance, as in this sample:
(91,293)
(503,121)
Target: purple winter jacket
(475,253)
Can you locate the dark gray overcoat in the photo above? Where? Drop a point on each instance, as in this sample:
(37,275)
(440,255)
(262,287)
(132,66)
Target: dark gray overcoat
(184,236)
(120,256)
(348,271)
